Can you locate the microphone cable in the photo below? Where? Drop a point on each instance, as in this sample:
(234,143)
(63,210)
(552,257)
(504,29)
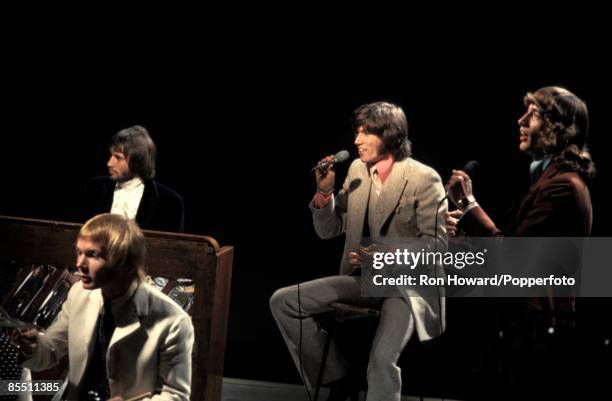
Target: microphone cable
(300,343)
(435,270)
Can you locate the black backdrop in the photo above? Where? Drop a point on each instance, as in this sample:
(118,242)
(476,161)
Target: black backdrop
(237,138)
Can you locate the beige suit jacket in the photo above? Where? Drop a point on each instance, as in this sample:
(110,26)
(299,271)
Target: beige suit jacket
(150,350)
(406,209)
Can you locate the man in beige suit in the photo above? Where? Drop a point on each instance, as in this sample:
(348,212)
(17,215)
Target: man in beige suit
(123,337)
(387,195)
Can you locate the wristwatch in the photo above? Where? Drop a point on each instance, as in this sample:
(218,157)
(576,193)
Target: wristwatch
(463,203)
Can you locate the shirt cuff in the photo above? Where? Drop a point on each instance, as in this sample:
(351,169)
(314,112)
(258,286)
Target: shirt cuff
(320,200)
(469,207)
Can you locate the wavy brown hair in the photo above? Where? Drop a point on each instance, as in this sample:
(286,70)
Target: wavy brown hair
(136,144)
(389,123)
(566,127)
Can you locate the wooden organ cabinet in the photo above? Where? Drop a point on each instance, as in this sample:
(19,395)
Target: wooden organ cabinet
(172,258)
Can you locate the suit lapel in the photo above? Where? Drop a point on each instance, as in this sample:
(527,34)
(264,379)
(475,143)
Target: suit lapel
(392,190)
(359,196)
(105,200)
(148,203)
(130,323)
(127,323)
(127,320)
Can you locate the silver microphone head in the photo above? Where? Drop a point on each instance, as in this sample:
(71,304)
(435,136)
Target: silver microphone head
(337,158)
(341,156)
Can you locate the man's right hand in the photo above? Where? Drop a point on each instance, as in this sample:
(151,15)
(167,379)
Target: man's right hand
(326,181)
(26,341)
(451,220)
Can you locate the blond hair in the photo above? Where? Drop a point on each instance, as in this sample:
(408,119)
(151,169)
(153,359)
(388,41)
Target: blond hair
(121,241)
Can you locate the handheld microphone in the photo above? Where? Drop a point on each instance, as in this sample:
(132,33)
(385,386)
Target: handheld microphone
(471,168)
(339,157)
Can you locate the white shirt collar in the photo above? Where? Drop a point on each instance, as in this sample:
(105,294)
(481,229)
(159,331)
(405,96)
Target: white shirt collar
(127,197)
(130,185)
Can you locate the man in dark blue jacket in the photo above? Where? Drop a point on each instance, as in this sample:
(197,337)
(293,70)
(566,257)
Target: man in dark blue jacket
(130,190)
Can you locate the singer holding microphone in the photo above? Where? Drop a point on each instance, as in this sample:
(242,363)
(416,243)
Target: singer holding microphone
(386,194)
(124,339)
(553,131)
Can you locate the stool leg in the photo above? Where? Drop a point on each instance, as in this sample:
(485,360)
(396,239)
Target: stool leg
(323,360)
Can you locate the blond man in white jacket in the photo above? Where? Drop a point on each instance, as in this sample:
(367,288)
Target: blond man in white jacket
(123,337)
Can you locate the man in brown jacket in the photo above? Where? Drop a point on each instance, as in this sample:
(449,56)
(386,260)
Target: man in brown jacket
(553,131)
